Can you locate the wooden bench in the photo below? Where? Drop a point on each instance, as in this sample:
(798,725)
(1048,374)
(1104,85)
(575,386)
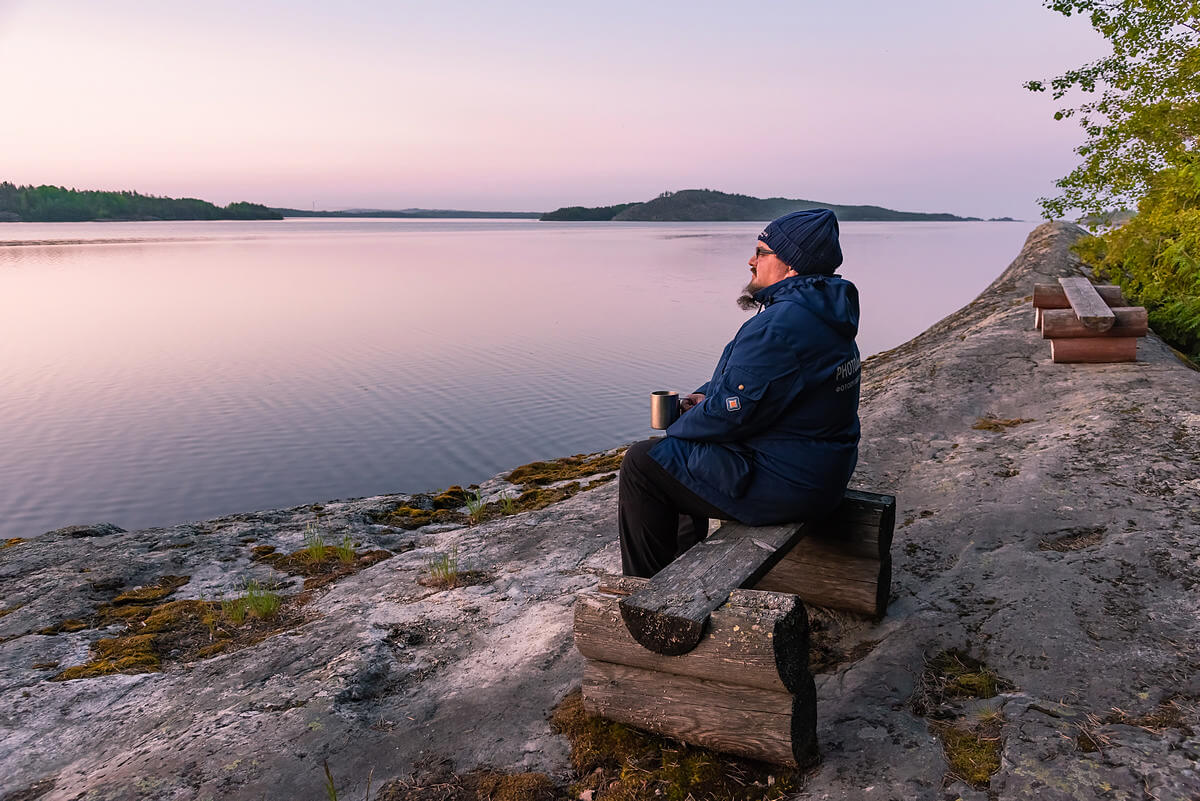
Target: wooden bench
(713,650)
(1088,323)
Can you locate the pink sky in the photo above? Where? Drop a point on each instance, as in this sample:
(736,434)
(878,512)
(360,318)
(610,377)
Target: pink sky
(531,106)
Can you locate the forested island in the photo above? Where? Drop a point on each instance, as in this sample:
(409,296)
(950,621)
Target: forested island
(706,205)
(59,204)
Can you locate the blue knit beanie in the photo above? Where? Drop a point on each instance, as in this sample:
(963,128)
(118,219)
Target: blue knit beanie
(806,241)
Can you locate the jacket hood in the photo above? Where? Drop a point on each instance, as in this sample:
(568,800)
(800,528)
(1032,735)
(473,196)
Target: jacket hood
(831,298)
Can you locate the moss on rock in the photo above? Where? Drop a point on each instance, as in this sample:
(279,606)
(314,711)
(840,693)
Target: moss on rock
(570,467)
(953,675)
(972,749)
(154,592)
(71,624)
(410,517)
(454,497)
(135,654)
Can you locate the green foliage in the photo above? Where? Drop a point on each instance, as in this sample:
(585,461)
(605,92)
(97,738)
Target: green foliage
(476,507)
(508,504)
(59,204)
(314,544)
(258,601)
(705,205)
(234,610)
(1155,257)
(261,602)
(345,550)
(330,787)
(585,213)
(443,569)
(1141,112)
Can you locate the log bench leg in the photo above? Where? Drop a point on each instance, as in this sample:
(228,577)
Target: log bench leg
(745,688)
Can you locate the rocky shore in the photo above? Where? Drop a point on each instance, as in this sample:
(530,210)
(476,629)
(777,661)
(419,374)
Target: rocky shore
(1048,538)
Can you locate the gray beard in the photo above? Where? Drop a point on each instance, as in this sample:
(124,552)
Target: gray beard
(746,301)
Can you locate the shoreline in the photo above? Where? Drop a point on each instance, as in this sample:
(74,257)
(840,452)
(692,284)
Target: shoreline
(1063,550)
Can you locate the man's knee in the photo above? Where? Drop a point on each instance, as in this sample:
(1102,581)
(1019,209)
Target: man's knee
(637,455)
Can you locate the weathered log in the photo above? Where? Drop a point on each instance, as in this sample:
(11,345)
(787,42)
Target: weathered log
(759,639)
(1131,321)
(822,572)
(1087,304)
(1097,350)
(750,721)
(1052,296)
(668,615)
(1037,318)
(863,523)
(845,563)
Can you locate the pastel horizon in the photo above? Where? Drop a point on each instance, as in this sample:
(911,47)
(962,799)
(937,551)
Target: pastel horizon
(919,107)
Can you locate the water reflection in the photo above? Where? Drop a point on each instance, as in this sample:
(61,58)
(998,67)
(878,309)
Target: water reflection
(210,368)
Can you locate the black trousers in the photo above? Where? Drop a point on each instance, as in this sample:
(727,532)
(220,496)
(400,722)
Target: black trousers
(658,517)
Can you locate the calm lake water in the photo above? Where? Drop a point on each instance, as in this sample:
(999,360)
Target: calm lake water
(153,373)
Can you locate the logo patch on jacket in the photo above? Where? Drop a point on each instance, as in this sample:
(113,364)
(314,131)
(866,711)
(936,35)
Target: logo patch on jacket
(733,404)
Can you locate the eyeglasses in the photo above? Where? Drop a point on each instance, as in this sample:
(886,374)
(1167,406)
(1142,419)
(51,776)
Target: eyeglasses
(759,252)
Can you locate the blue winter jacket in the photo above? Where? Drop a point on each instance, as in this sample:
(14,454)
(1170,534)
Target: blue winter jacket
(776,438)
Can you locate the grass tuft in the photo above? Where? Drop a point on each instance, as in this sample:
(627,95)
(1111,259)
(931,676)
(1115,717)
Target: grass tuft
(261,602)
(443,568)
(445,573)
(950,676)
(234,610)
(476,508)
(345,550)
(314,544)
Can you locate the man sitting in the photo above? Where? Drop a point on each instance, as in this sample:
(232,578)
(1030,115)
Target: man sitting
(772,437)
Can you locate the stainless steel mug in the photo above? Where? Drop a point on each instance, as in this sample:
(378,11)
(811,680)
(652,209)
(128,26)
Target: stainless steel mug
(664,408)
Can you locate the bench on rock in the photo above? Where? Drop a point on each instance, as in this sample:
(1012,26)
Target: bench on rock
(713,650)
(1088,323)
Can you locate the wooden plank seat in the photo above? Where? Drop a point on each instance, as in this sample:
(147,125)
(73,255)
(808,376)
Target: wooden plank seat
(1088,323)
(1087,304)
(696,654)
(1053,296)
(843,562)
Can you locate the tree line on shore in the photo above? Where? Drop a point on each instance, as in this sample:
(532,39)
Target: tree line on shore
(59,204)
(1140,111)
(708,205)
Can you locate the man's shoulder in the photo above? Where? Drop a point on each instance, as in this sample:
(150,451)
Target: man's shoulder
(787,325)
(786,315)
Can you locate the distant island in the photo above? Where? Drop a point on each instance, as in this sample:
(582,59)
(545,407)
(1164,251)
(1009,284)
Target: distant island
(706,205)
(58,204)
